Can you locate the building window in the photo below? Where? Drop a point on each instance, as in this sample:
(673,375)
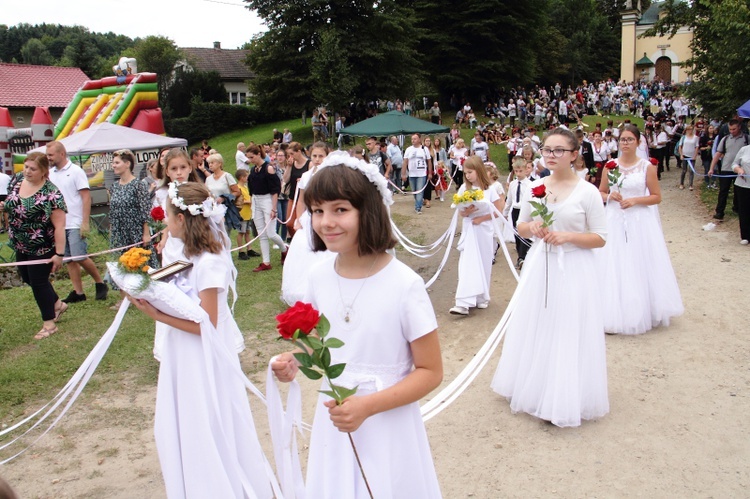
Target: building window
(238,98)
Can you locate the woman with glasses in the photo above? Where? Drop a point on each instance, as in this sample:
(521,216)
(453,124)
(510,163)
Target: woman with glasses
(640,288)
(553,364)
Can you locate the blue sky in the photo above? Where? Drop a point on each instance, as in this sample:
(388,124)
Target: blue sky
(189,23)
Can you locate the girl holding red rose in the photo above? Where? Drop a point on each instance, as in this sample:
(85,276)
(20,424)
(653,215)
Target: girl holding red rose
(639,284)
(393,358)
(129,209)
(553,365)
(203,426)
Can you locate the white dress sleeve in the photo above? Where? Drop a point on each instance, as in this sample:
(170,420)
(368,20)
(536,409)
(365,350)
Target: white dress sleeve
(596,216)
(417,315)
(210,272)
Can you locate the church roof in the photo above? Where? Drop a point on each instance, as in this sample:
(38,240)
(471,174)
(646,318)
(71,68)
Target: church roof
(651,15)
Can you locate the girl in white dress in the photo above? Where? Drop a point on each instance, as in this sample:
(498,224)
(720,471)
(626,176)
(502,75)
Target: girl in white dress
(301,256)
(203,426)
(640,289)
(553,364)
(381,311)
(476,244)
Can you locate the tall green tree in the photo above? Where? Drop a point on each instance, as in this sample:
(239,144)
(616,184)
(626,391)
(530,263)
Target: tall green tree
(34,52)
(158,54)
(205,86)
(331,74)
(375,39)
(720,65)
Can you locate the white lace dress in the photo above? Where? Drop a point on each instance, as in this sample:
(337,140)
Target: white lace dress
(639,284)
(553,365)
(391,310)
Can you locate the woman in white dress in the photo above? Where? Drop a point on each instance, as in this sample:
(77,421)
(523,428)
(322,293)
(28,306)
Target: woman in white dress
(640,289)
(393,358)
(203,426)
(553,365)
(476,245)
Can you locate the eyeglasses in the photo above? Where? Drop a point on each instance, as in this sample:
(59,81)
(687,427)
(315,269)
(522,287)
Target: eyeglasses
(627,140)
(557,152)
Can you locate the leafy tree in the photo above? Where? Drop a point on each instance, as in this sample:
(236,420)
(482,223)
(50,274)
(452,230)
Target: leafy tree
(34,52)
(159,55)
(375,39)
(720,65)
(82,53)
(190,85)
(331,74)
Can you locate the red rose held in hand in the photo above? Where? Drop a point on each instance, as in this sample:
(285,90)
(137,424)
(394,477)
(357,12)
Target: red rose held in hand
(539,191)
(157,213)
(611,165)
(300,316)
(654,161)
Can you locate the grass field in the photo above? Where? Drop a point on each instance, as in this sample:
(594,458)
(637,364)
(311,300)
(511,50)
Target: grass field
(33,371)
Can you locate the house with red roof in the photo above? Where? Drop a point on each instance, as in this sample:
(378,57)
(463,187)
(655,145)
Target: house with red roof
(229,63)
(24,87)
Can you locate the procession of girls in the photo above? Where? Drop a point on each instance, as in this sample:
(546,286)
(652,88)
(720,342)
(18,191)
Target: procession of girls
(553,363)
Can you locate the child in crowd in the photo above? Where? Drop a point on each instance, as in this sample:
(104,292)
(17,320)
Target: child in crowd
(393,358)
(476,242)
(247,226)
(519,193)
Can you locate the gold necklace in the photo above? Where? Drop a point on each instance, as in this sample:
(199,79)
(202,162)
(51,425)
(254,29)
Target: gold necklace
(348,309)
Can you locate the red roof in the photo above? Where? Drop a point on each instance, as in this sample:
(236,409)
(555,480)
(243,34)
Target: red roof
(24,85)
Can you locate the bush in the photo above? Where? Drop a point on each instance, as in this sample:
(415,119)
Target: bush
(209,119)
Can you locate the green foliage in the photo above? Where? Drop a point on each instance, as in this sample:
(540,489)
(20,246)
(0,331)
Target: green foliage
(333,81)
(208,119)
(189,85)
(34,52)
(720,66)
(158,54)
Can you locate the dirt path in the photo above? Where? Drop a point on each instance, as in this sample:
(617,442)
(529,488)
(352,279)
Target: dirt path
(679,398)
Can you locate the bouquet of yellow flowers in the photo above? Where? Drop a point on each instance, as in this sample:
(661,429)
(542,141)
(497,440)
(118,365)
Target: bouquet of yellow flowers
(468,196)
(133,261)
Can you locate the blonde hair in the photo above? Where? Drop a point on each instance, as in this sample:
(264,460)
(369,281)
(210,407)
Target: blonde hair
(460,143)
(475,163)
(218,158)
(198,236)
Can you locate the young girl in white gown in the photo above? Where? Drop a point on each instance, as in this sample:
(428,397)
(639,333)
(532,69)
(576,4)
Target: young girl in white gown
(301,256)
(477,242)
(639,285)
(203,426)
(553,364)
(381,311)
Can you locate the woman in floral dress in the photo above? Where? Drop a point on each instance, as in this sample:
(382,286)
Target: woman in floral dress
(129,207)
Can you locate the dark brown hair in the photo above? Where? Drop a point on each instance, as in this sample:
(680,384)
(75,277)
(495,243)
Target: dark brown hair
(198,236)
(632,129)
(339,182)
(125,155)
(569,136)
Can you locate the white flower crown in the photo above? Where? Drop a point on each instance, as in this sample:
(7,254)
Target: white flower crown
(208,208)
(367,169)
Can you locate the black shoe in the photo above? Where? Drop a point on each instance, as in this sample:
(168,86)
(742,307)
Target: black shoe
(74,297)
(718,217)
(252,253)
(242,256)
(101,291)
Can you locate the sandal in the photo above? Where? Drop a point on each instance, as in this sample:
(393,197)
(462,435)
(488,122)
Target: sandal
(60,311)
(45,333)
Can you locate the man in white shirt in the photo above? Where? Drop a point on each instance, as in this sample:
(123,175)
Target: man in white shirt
(72,182)
(240,158)
(479,147)
(287,138)
(397,159)
(417,167)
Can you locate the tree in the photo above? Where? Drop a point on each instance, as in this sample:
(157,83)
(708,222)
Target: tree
(331,74)
(375,39)
(159,55)
(188,85)
(720,65)
(34,52)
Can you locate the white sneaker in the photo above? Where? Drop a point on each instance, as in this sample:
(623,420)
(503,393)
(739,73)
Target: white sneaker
(483,305)
(459,310)
(744,242)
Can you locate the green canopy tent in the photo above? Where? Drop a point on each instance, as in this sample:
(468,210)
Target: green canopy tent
(392,123)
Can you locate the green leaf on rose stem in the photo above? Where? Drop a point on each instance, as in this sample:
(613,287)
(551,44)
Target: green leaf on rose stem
(346,392)
(335,370)
(305,340)
(334,343)
(323,326)
(316,359)
(303,358)
(325,358)
(331,394)
(310,373)
(315,343)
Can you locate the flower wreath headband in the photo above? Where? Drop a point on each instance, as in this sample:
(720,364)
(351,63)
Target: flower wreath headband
(367,169)
(208,208)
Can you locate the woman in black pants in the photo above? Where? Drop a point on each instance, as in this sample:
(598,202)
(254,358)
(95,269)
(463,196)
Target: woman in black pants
(37,232)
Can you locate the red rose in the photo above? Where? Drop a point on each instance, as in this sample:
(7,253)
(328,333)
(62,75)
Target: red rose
(157,213)
(654,161)
(300,316)
(539,191)
(611,165)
